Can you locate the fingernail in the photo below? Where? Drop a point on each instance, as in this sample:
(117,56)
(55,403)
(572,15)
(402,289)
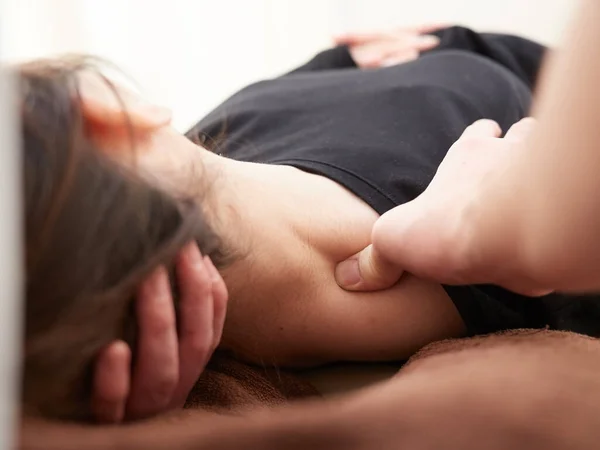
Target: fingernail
(193,250)
(192,254)
(158,280)
(428,39)
(347,273)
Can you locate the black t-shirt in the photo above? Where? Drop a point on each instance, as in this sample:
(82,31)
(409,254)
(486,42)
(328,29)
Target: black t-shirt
(382,133)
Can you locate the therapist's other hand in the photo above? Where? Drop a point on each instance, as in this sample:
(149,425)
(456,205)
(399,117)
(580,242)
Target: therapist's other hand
(372,50)
(429,236)
(169,358)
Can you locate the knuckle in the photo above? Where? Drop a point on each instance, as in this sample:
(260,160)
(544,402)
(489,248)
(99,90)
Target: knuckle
(475,142)
(472,141)
(379,269)
(525,125)
(528,125)
(163,324)
(488,125)
(193,275)
(466,141)
(200,291)
(478,123)
(384,230)
(528,121)
(379,275)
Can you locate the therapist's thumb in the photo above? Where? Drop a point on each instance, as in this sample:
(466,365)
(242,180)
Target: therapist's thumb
(367,271)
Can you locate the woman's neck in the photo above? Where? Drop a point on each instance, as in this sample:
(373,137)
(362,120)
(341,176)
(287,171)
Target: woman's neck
(258,204)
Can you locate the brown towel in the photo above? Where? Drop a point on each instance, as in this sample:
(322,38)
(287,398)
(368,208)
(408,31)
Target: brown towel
(510,338)
(229,385)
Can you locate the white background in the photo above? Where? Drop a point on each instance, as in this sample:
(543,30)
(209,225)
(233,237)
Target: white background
(190,54)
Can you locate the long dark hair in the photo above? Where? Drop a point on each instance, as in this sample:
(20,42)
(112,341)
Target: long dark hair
(93,231)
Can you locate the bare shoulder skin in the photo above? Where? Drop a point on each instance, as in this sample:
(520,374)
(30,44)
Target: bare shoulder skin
(286,306)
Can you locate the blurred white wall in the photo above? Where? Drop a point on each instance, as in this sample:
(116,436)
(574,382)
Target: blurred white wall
(11,280)
(190,54)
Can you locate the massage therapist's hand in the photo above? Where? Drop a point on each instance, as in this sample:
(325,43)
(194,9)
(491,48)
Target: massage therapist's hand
(371,50)
(168,363)
(429,237)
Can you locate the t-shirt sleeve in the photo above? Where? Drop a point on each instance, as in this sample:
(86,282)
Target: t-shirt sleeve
(334,58)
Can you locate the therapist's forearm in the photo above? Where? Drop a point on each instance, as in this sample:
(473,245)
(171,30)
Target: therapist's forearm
(552,193)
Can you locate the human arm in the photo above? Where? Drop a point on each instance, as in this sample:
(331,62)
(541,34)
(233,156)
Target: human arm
(520,55)
(530,224)
(370,50)
(167,363)
(561,238)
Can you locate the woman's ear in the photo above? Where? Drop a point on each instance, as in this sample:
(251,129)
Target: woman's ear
(112,112)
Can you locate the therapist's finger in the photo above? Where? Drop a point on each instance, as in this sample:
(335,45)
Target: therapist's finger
(521,130)
(367,271)
(483,128)
(156,372)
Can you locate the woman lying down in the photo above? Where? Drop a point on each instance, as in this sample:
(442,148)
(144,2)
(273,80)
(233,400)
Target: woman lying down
(286,180)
